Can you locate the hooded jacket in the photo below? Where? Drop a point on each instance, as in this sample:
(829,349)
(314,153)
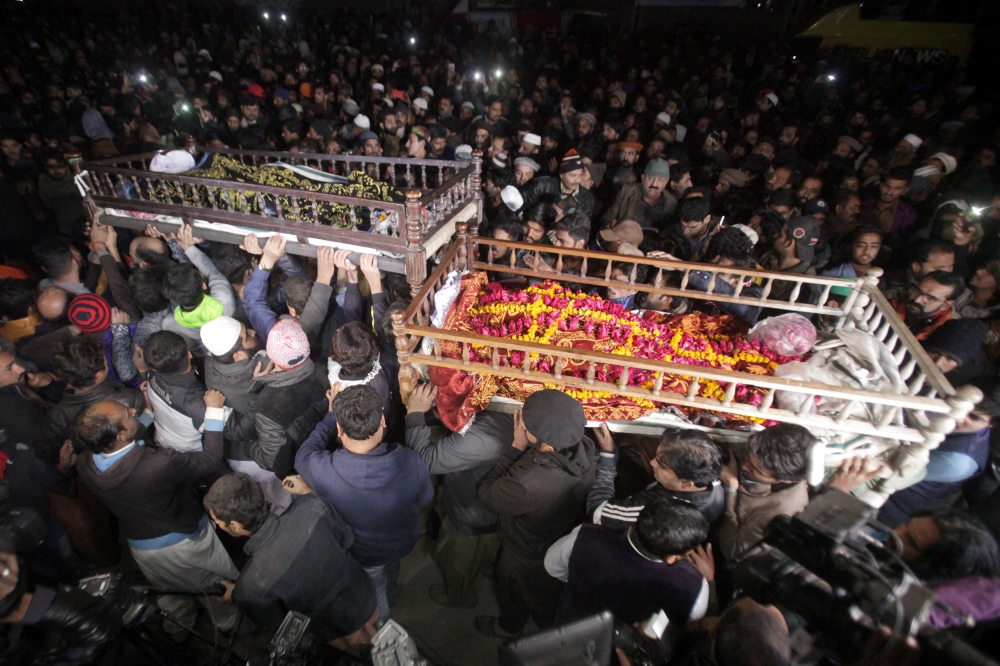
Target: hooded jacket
(539,496)
(379,494)
(151,490)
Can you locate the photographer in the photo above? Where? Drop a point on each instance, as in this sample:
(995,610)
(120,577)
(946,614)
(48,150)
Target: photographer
(151,492)
(298,561)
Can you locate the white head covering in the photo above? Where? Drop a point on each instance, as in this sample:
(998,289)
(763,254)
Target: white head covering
(528,162)
(220,335)
(949,162)
(215,75)
(512,198)
(774,98)
(428,90)
(378,86)
(913,140)
(500,160)
(751,234)
(362,121)
(664,117)
(533,139)
(420,103)
(927,171)
(463,152)
(175,161)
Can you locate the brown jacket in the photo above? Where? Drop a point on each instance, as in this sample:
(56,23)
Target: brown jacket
(751,508)
(626,207)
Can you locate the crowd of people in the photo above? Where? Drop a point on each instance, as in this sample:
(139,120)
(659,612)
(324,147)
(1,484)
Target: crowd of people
(221,413)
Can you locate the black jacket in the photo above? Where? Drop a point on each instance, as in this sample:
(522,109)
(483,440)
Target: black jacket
(622,514)
(299,561)
(21,417)
(548,189)
(59,424)
(464,460)
(150,490)
(288,408)
(539,496)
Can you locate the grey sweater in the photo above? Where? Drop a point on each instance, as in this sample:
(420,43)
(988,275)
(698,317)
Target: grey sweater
(464,460)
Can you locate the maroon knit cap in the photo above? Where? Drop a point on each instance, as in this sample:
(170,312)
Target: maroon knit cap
(90,313)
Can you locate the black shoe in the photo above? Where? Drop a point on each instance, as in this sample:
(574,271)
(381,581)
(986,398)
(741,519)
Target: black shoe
(486,625)
(439,594)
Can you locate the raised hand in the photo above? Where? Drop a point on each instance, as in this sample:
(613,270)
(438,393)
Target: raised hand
(214,398)
(251,245)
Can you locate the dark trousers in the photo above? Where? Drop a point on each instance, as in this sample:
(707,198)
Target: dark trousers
(462,559)
(525,588)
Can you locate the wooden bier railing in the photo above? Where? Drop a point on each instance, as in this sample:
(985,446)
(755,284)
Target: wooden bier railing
(425,216)
(921,415)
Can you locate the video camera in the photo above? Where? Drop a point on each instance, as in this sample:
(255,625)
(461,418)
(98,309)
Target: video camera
(831,573)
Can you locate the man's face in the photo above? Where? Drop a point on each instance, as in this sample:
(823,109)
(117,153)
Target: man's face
(810,189)
(233,123)
(481,137)
(678,187)
(498,253)
(438,145)
(695,228)
(917,535)
(783,211)
(10,371)
(850,211)
(583,127)
(616,293)
(11,149)
(928,298)
(494,111)
(937,261)
(564,239)
(250,341)
(751,468)
(414,146)
(865,249)
(445,106)
(320,96)
(250,112)
(56,169)
(721,187)
(851,182)
(288,136)
(789,137)
(627,156)
(571,179)
(842,150)
(522,174)
(653,186)
(528,149)
(610,133)
(765,149)
(779,179)
(891,190)
(533,232)
(903,149)
(496,146)
(870,168)
(371,147)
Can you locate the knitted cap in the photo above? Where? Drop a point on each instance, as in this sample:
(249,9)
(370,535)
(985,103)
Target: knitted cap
(287,344)
(90,313)
(570,162)
(554,418)
(220,335)
(958,339)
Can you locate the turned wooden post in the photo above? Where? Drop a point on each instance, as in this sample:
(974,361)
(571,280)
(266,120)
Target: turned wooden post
(408,375)
(477,194)
(462,229)
(416,262)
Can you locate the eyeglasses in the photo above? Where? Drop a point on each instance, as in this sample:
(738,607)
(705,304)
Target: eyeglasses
(930,298)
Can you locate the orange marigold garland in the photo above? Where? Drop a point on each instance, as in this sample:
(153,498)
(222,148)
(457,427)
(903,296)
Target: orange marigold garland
(551,314)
